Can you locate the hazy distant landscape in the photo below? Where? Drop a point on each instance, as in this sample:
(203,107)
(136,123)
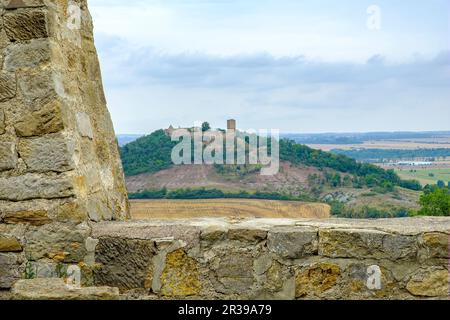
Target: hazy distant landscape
(351,139)
(385,149)
(354,180)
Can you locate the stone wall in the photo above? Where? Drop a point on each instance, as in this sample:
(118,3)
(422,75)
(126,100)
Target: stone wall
(59,160)
(275,259)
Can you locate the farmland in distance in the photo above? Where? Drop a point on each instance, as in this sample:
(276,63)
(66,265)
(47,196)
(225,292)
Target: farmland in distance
(231,208)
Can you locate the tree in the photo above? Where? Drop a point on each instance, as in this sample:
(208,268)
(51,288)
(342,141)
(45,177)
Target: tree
(206,126)
(435,203)
(347,182)
(441,184)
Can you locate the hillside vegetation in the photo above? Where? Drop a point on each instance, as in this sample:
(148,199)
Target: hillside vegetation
(152,153)
(148,154)
(353,189)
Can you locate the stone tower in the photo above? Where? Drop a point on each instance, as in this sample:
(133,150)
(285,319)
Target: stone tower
(231,125)
(59,158)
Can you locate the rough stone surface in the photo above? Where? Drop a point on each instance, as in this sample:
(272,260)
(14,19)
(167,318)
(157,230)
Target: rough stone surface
(9,244)
(317,279)
(123,263)
(34,186)
(433,282)
(7,85)
(57,242)
(434,245)
(45,154)
(32,217)
(8,156)
(34,122)
(11,268)
(234,271)
(27,55)
(351,243)
(56,289)
(294,242)
(38,86)
(277,258)
(180,277)
(84,125)
(57,136)
(25,24)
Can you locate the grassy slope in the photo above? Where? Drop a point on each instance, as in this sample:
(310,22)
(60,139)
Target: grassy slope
(291,179)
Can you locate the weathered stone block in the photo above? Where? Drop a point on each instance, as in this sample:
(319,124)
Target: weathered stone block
(180,277)
(58,242)
(293,242)
(213,235)
(9,244)
(432,282)
(56,289)
(276,277)
(37,87)
(434,245)
(32,217)
(84,125)
(189,235)
(316,280)
(34,186)
(40,121)
(234,271)
(8,156)
(7,85)
(252,235)
(98,209)
(25,24)
(10,269)
(125,263)
(27,55)
(46,153)
(16,4)
(362,243)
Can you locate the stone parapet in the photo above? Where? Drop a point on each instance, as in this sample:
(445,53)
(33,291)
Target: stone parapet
(276,259)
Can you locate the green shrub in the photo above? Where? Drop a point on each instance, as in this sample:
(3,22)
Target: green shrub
(435,202)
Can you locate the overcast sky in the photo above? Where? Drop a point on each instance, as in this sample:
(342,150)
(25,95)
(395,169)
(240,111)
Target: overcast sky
(293,65)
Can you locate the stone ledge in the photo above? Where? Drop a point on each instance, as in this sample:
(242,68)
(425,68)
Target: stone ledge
(56,289)
(156,228)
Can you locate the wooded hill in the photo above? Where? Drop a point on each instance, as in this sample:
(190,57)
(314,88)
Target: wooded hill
(152,153)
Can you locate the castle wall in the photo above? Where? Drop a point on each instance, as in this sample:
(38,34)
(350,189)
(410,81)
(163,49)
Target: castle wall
(59,159)
(276,259)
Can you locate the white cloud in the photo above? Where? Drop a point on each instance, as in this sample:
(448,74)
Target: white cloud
(307,66)
(317,29)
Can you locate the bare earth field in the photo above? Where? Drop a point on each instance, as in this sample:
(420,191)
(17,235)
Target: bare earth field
(233,208)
